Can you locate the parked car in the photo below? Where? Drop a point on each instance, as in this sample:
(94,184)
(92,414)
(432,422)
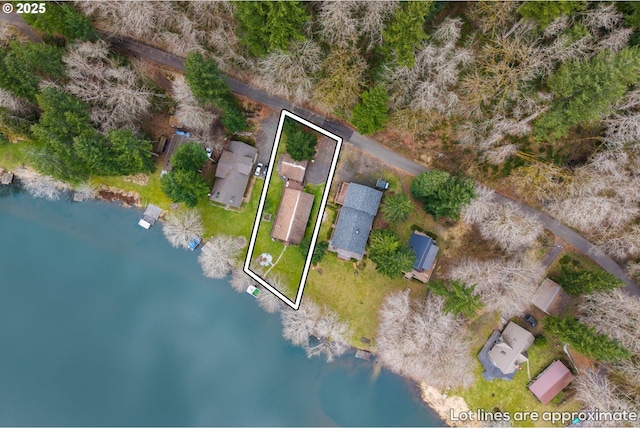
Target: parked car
(259,168)
(209,152)
(265,168)
(531,320)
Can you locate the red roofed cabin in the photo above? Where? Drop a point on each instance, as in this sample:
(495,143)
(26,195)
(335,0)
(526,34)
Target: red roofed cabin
(551,381)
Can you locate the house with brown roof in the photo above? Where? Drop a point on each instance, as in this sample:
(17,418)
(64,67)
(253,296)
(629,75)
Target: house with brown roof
(291,169)
(546,294)
(503,353)
(293,215)
(551,381)
(232,173)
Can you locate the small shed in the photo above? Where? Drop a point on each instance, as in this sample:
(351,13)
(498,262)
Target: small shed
(551,381)
(7,178)
(150,216)
(546,294)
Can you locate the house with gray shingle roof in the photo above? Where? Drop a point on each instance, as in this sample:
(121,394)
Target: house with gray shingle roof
(351,232)
(232,173)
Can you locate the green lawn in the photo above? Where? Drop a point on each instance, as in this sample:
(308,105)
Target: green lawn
(149,193)
(356,297)
(13,155)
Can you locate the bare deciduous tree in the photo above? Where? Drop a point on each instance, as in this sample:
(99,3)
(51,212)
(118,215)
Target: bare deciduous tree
(428,84)
(181,227)
(220,254)
(197,119)
(291,73)
(14,104)
(343,72)
(338,23)
(318,331)
(41,186)
(597,392)
(240,281)
(505,286)
(269,301)
(298,326)
(504,223)
(117,97)
(86,190)
(420,341)
(331,336)
(616,314)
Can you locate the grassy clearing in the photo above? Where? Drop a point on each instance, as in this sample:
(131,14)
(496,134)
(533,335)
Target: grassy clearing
(149,193)
(355,297)
(13,155)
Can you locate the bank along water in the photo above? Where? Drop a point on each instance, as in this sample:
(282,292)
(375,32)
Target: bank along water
(103,323)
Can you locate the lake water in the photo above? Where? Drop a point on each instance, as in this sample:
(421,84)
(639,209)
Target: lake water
(103,323)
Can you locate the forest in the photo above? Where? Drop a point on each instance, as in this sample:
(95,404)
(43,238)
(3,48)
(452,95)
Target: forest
(538,100)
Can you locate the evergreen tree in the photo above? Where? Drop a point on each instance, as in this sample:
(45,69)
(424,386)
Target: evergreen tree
(269,26)
(63,19)
(189,156)
(584,91)
(129,153)
(318,251)
(577,281)
(406,31)
(546,11)
(23,65)
(184,186)
(426,184)
(63,118)
(371,114)
(442,195)
(209,86)
(459,298)
(205,79)
(395,264)
(391,258)
(396,208)
(301,144)
(381,242)
(585,339)
(449,199)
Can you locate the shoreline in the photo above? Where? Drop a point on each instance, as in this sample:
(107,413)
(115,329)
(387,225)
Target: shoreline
(430,396)
(444,405)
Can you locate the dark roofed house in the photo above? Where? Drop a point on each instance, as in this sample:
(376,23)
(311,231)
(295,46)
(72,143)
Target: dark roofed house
(426,251)
(291,169)
(233,173)
(292,217)
(359,207)
(504,352)
(551,381)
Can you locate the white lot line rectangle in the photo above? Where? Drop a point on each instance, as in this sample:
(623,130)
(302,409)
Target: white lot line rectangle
(325,195)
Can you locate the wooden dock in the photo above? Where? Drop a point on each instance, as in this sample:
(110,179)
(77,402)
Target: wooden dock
(7,178)
(363,355)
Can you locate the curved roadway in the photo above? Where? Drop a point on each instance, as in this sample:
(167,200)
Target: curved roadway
(138,49)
